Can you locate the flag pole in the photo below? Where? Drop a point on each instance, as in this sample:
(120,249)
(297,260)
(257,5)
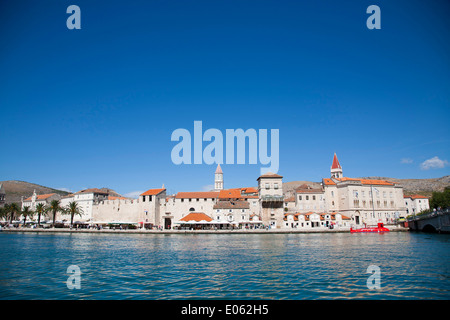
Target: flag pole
(373,203)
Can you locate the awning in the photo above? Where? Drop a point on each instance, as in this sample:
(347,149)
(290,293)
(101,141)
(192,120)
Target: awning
(122,222)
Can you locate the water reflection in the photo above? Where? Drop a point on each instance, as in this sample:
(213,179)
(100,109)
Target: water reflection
(265,266)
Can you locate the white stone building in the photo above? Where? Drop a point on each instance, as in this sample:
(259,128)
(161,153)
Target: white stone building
(416,204)
(271,199)
(35,199)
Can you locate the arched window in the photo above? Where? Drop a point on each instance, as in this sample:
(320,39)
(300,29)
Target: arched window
(191,209)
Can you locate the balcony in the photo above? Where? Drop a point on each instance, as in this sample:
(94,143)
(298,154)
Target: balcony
(272,198)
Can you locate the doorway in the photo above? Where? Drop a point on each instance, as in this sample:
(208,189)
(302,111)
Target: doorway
(167,223)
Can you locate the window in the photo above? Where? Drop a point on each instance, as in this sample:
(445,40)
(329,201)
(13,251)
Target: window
(314,197)
(275,186)
(198,199)
(332,193)
(143,198)
(267,186)
(307,197)
(299,197)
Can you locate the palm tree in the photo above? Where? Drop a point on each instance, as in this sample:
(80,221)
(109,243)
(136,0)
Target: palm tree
(73,209)
(3,213)
(26,212)
(40,210)
(13,208)
(54,207)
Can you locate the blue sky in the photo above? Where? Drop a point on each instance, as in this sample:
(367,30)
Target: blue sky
(96,107)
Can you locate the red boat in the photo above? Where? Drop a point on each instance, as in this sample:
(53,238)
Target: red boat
(379,228)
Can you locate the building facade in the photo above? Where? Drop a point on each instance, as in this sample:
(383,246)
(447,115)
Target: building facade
(416,204)
(339,202)
(35,199)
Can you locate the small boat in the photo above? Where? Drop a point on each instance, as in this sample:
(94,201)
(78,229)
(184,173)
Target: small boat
(379,228)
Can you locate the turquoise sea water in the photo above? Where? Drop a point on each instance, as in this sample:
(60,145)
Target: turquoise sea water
(224,266)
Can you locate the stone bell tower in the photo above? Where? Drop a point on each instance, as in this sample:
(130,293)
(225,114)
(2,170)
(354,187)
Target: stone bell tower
(218,179)
(336,169)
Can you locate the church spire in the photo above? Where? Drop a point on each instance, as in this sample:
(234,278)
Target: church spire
(336,164)
(336,169)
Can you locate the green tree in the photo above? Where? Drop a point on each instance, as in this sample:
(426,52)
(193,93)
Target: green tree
(3,213)
(40,210)
(54,208)
(26,212)
(73,208)
(440,199)
(12,209)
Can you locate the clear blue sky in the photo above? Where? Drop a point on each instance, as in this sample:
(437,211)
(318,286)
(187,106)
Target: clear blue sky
(96,107)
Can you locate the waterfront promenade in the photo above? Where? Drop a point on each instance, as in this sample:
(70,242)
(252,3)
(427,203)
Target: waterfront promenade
(233,231)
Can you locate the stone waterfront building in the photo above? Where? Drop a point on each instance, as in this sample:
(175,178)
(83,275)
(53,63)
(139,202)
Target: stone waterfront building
(339,202)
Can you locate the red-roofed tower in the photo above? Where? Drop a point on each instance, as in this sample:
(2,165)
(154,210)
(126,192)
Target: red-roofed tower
(336,169)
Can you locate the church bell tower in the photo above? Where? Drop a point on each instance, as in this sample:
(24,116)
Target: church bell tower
(336,169)
(218,179)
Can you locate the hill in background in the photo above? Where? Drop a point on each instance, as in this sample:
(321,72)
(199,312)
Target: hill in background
(15,190)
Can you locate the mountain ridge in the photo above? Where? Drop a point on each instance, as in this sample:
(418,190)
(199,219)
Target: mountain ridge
(16,189)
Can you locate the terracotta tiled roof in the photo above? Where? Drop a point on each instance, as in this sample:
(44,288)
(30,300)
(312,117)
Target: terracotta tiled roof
(269,175)
(196,216)
(368,181)
(249,197)
(231,205)
(41,196)
(290,199)
(230,193)
(249,190)
(116,198)
(199,194)
(153,192)
(308,190)
(328,181)
(416,196)
(336,164)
